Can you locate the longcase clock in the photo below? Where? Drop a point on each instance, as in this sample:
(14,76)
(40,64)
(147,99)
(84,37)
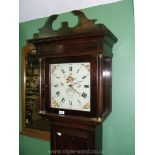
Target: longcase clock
(75,74)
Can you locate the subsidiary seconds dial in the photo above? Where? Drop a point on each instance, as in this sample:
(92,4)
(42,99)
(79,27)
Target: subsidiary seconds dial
(70,86)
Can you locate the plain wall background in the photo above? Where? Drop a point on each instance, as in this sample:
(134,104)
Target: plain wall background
(47,7)
(118,129)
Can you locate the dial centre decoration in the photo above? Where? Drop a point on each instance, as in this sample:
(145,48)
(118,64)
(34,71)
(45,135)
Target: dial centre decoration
(70,86)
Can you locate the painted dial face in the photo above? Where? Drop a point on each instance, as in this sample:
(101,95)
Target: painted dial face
(70,86)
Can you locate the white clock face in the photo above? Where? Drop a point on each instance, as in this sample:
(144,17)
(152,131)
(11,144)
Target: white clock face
(70,86)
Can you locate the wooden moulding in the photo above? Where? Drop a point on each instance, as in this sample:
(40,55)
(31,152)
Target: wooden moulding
(35,133)
(85,28)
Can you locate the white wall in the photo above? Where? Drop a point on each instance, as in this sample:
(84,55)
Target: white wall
(32,9)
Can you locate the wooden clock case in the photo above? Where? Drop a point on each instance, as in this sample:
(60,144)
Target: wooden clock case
(76,131)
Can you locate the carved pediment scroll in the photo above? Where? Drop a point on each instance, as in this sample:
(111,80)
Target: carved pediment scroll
(83,26)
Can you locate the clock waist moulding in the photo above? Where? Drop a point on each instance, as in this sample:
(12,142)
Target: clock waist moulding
(76,103)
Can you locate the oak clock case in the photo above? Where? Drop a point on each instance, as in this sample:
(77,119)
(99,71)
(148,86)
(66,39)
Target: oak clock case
(74,81)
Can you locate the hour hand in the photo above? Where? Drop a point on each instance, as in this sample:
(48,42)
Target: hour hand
(78,83)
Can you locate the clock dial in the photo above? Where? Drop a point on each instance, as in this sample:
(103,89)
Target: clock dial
(70,86)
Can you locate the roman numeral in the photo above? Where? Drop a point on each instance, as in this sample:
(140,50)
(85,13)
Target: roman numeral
(56,85)
(84,95)
(84,77)
(70,68)
(86,86)
(78,70)
(63,71)
(63,100)
(57,93)
(70,102)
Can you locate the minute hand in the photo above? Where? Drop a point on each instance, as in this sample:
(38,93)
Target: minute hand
(74,89)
